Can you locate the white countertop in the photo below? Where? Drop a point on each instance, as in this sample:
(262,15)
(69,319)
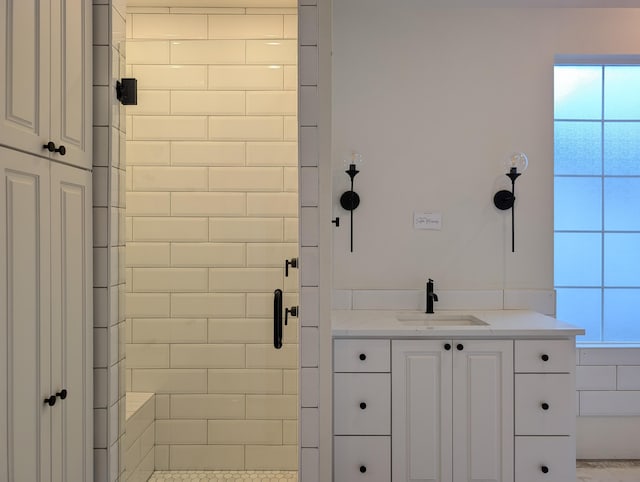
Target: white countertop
(500,323)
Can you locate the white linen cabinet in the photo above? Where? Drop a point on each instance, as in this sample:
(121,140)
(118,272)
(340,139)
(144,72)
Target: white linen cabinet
(45,321)
(452,410)
(46,72)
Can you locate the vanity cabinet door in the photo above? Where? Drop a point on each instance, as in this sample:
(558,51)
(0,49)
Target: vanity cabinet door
(483,410)
(421,421)
(452,416)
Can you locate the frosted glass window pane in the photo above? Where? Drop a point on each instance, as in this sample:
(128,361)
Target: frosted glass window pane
(622,148)
(622,92)
(577,259)
(622,204)
(578,147)
(577,92)
(622,259)
(578,203)
(581,307)
(621,319)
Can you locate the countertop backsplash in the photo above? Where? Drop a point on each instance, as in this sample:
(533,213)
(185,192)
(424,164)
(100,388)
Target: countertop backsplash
(542,301)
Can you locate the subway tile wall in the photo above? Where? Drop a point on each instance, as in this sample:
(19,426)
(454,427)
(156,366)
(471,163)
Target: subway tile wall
(212,213)
(109,241)
(608,382)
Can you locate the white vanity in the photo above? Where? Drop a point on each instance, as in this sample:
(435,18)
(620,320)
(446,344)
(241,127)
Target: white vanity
(453,397)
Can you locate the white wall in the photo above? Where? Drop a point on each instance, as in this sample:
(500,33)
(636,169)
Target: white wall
(434,99)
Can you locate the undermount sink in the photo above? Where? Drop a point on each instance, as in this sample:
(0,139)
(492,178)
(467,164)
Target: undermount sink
(437,319)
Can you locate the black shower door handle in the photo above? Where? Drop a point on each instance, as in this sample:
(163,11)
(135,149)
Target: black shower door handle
(277,319)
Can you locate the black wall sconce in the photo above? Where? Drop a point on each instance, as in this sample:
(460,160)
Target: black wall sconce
(515,164)
(350,199)
(127,91)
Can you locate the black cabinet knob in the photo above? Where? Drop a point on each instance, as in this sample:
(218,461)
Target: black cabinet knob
(363,356)
(544,469)
(62,394)
(363,469)
(51,147)
(363,405)
(545,406)
(460,346)
(544,357)
(51,401)
(447,346)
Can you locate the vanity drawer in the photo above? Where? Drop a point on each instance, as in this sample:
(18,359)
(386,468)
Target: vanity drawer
(361,404)
(545,459)
(545,356)
(362,459)
(544,404)
(361,355)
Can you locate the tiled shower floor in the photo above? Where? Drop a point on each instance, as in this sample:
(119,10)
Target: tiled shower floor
(224,476)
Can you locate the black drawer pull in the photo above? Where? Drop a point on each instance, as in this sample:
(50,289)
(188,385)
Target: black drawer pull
(460,346)
(363,357)
(544,357)
(51,401)
(544,469)
(62,394)
(447,346)
(363,469)
(545,406)
(363,405)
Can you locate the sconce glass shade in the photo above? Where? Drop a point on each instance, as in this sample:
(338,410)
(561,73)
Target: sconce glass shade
(517,160)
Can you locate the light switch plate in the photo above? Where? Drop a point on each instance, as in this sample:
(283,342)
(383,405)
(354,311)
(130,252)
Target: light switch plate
(432,221)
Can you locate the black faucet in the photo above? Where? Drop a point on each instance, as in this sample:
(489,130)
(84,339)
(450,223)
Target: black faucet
(431,296)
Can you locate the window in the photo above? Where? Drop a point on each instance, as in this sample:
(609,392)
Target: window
(597,199)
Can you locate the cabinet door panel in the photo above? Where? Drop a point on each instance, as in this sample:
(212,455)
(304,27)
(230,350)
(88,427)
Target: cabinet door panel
(421,419)
(24,318)
(24,74)
(483,411)
(71,332)
(71,80)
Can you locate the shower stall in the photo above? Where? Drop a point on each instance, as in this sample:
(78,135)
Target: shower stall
(211,221)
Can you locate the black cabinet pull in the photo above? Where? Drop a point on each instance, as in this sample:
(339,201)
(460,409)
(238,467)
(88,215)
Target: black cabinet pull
(363,405)
(62,394)
(363,469)
(545,406)
(277,319)
(51,401)
(544,469)
(460,346)
(51,147)
(544,357)
(447,346)
(293,262)
(363,357)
